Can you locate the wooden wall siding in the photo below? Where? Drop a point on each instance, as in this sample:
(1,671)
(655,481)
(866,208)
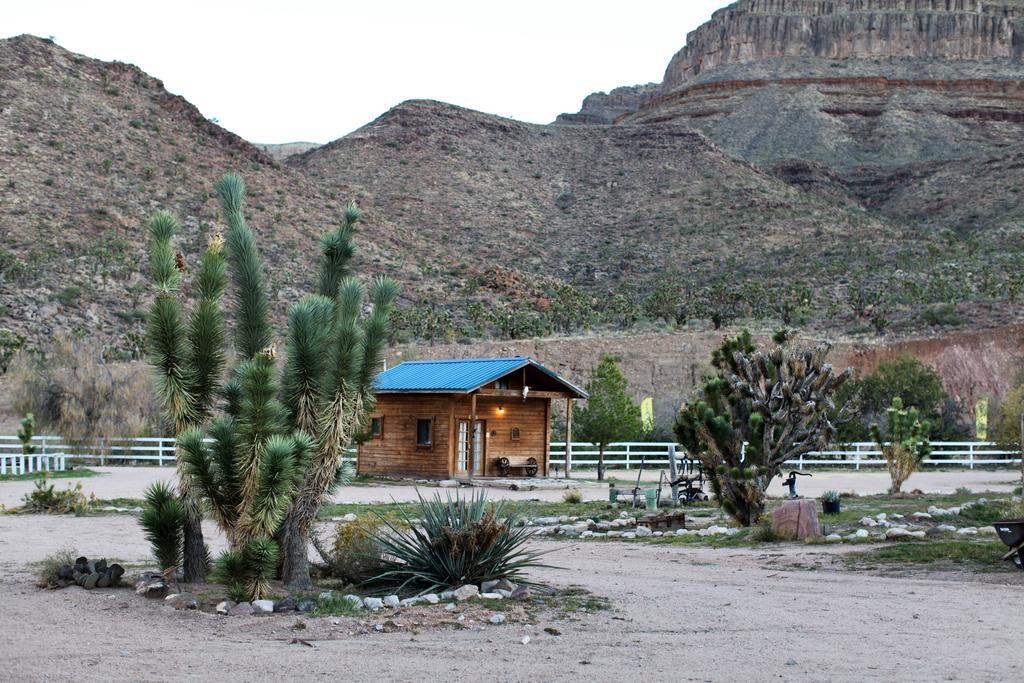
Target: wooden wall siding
(531,416)
(535,379)
(396,452)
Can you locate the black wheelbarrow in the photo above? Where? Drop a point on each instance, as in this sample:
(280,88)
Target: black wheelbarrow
(1011,532)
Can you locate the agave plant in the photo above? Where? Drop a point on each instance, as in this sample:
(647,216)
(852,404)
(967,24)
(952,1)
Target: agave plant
(454,542)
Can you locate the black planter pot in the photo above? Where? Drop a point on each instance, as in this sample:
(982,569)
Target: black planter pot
(830,507)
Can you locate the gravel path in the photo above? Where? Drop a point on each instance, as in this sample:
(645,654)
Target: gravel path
(681,613)
(130,482)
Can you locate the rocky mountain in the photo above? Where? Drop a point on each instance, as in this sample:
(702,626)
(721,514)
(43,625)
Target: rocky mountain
(850,166)
(280,152)
(912,108)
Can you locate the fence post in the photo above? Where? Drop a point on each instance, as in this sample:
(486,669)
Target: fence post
(970,449)
(628,456)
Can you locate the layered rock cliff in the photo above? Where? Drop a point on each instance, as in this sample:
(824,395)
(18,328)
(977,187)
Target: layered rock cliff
(756,30)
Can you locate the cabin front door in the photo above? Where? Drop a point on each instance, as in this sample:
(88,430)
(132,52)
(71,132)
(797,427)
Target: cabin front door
(466,462)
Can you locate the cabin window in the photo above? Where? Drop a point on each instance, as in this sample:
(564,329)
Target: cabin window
(514,434)
(424,431)
(377,427)
(501,384)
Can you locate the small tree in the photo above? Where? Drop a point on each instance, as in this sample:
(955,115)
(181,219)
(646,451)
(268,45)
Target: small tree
(25,434)
(757,412)
(905,445)
(610,414)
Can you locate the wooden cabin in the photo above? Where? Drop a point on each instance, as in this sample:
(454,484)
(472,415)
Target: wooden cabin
(457,419)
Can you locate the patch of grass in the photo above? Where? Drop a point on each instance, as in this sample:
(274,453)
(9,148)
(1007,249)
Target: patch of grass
(572,496)
(335,606)
(49,475)
(982,555)
(47,568)
(987,513)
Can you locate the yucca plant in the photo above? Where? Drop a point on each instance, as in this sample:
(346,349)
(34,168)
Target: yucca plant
(456,542)
(264,463)
(904,444)
(163,521)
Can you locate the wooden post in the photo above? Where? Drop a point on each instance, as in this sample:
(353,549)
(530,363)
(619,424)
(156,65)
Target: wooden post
(472,436)
(673,469)
(1022,449)
(568,438)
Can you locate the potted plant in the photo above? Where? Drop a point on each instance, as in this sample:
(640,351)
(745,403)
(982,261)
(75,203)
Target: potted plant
(830,502)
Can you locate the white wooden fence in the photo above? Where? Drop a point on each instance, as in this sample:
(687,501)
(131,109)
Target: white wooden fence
(53,453)
(628,455)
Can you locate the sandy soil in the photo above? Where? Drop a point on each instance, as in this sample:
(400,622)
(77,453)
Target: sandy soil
(130,482)
(681,613)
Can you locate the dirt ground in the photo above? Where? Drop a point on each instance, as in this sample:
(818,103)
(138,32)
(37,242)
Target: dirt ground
(679,613)
(130,482)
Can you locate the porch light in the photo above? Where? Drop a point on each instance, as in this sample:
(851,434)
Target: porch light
(501,410)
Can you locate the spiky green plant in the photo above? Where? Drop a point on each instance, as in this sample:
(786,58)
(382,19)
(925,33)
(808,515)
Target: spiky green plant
(25,433)
(163,521)
(904,444)
(456,541)
(757,412)
(265,462)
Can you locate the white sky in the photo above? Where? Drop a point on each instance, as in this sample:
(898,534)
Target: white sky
(305,70)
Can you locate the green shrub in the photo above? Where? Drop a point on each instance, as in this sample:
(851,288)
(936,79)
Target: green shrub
(163,521)
(355,556)
(830,496)
(764,533)
(572,496)
(47,500)
(458,541)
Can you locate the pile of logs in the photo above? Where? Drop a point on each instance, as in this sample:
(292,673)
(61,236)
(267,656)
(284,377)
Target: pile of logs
(90,574)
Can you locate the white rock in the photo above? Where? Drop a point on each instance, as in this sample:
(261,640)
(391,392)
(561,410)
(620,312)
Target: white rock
(497,619)
(921,516)
(432,598)
(451,607)
(491,596)
(466,592)
(897,533)
(614,534)
(833,538)
(862,533)
(447,595)
(262,606)
(503,593)
(350,517)
(373,603)
(412,602)
(525,640)
(895,516)
(917,534)
(629,534)
(392,601)
(987,531)
(224,607)
(623,515)
(880,516)
(968,531)
(867,521)
(353,600)
(587,534)
(643,532)
(946,527)
(448,484)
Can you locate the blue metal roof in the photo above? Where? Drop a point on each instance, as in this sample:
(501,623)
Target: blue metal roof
(457,376)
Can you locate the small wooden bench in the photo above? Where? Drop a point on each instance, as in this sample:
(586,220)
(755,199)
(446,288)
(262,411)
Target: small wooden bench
(507,463)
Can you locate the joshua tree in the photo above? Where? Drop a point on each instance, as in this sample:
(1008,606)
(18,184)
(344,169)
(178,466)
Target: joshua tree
(264,464)
(906,443)
(610,414)
(757,412)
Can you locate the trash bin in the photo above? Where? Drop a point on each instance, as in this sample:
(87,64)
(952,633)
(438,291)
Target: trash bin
(652,498)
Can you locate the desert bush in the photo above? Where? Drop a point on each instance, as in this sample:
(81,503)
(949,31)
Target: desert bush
(764,533)
(355,555)
(74,391)
(162,520)
(916,383)
(572,496)
(46,499)
(457,541)
(47,570)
